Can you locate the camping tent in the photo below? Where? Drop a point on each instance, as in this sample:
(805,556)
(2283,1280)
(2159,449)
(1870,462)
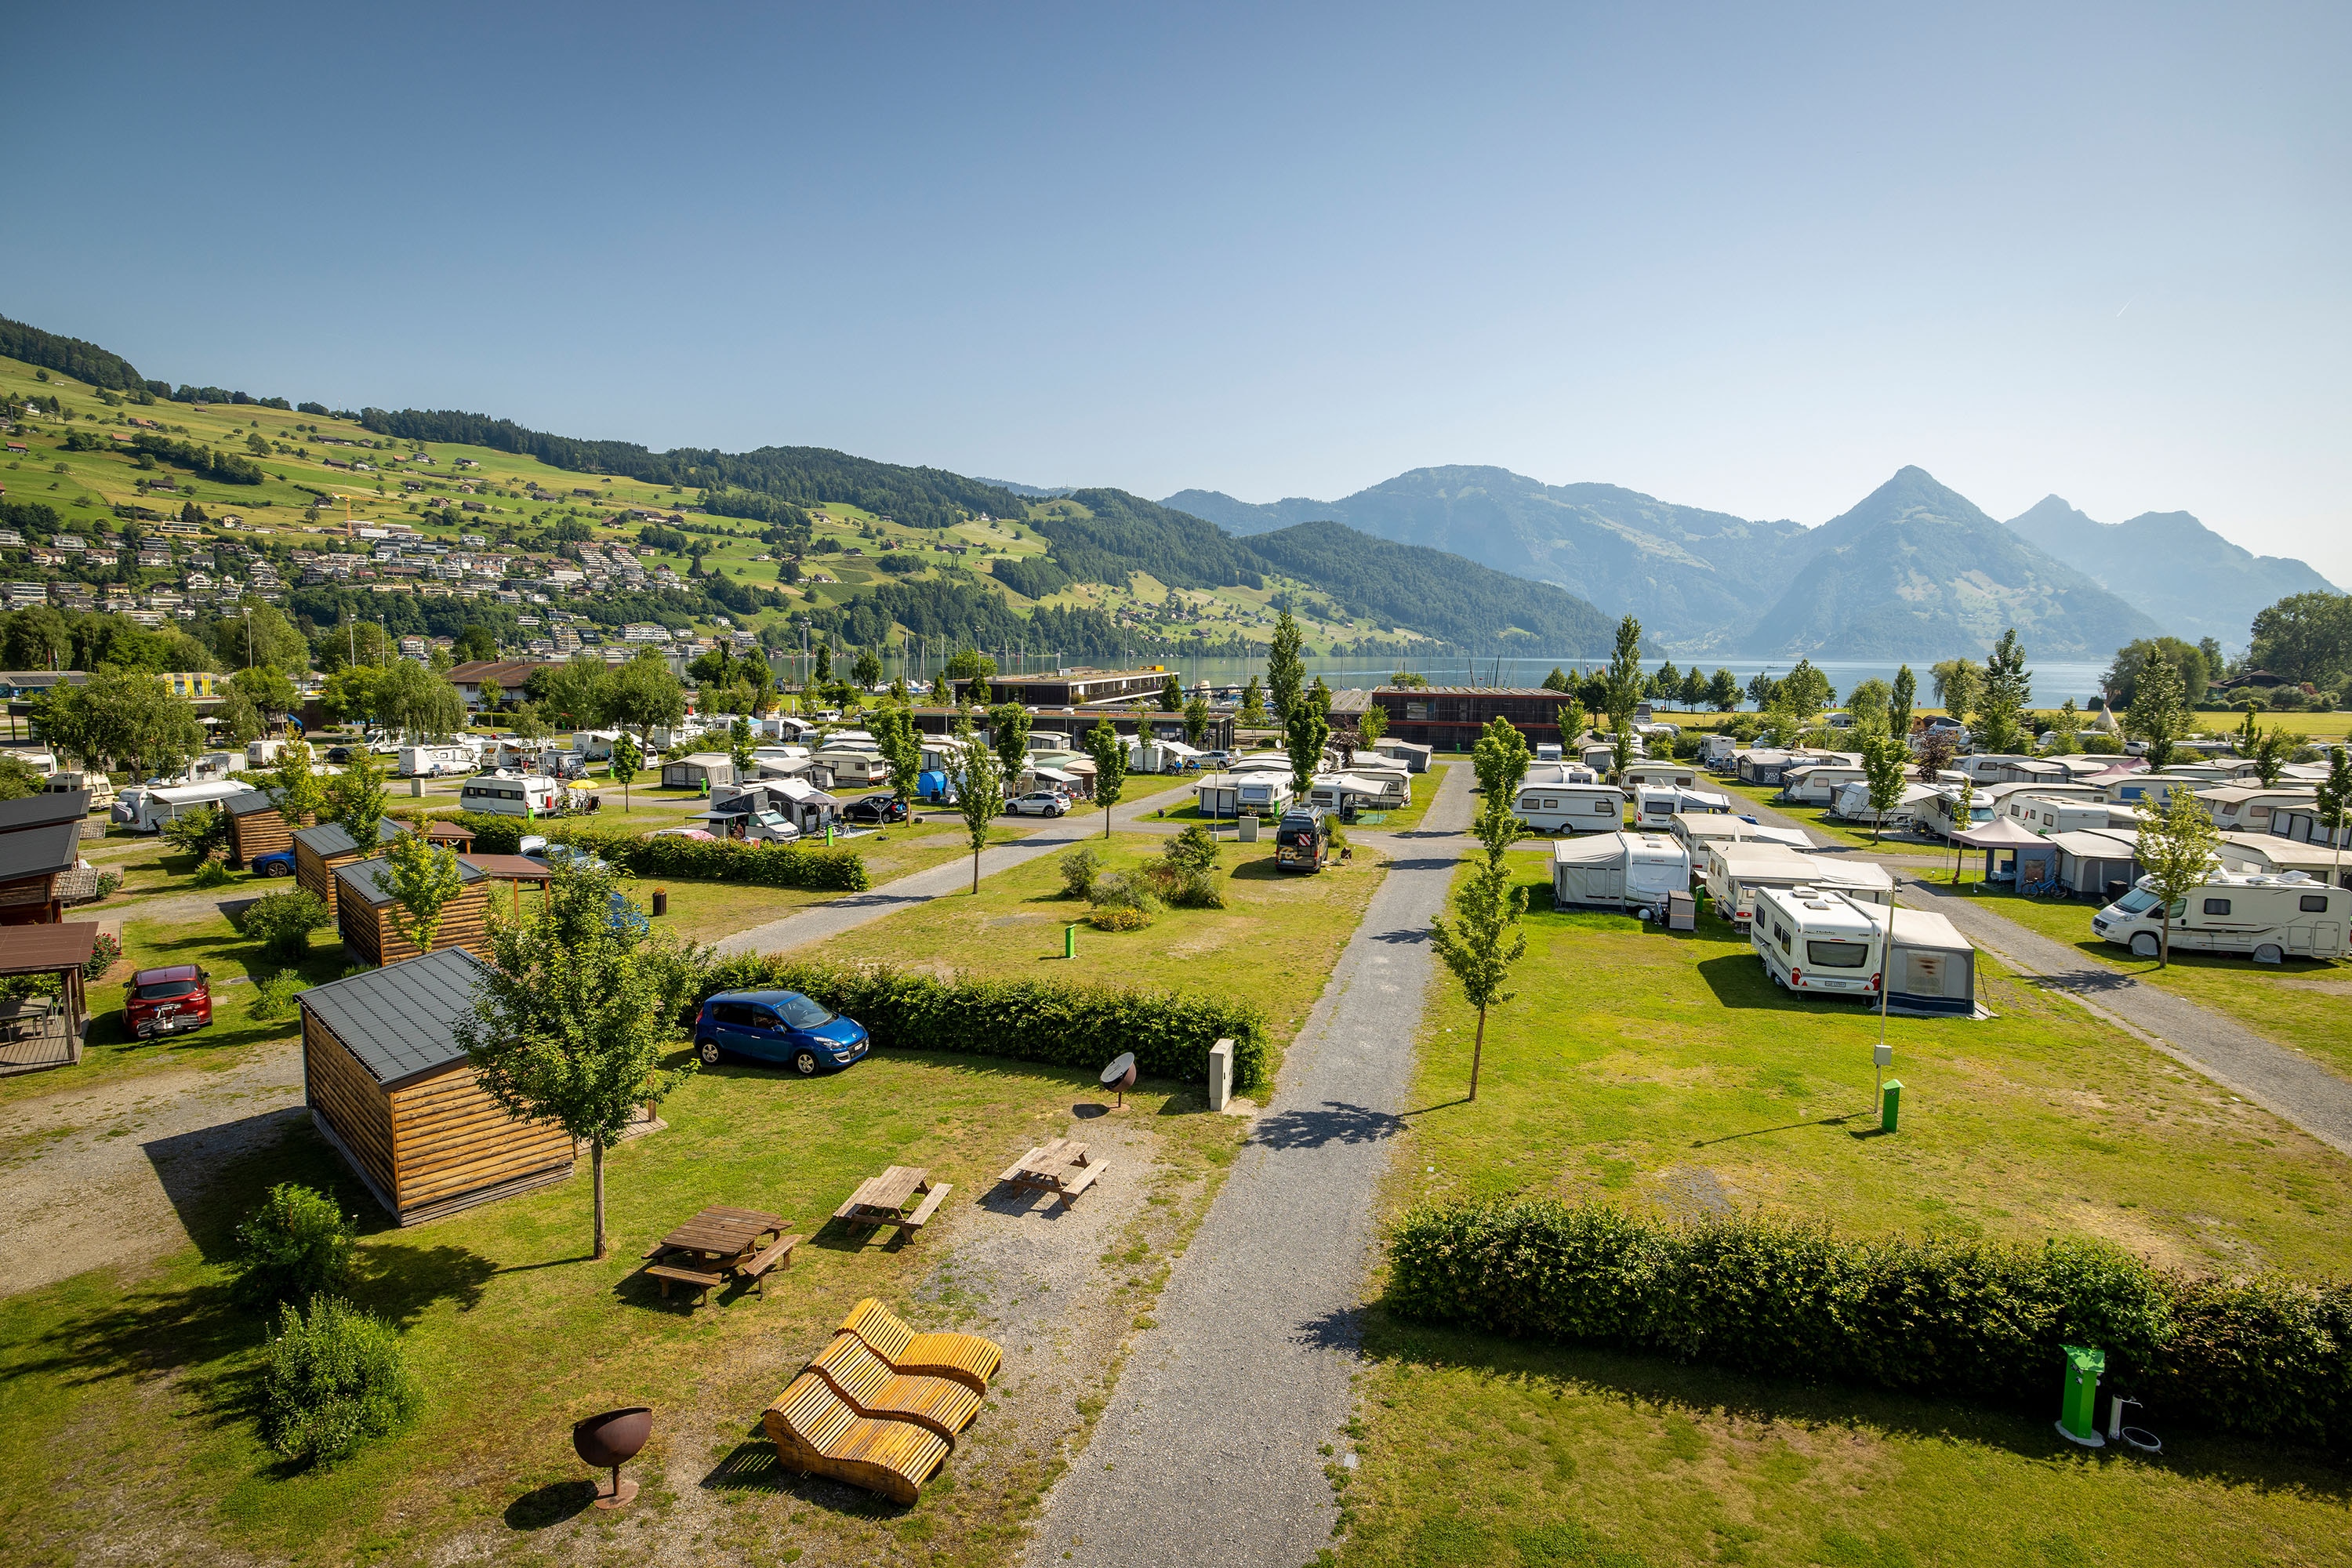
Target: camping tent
(2030,857)
(1930,966)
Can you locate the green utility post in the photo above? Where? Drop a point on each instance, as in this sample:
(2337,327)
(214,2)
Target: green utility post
(1070,941)
(2078,1396)
(1890,1102)
(828,833)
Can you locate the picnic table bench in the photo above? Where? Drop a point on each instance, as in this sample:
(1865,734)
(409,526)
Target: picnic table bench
(717,1242)
(1062,1168)
(882,1200)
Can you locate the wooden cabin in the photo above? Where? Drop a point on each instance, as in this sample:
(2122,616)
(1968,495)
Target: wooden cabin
(363,908)
(320,851)
(32,862)
(391,1088)
(255,826)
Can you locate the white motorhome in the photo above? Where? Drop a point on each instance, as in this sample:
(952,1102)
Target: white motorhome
(145,808)
(2265,918)
(504,794)
(100,787)
(262,753)
(1618,870)
(1817,943)
(1940,814)
(1414,757)
(593,745)
(2048,814)
(1657,805)
(1263,793)
(1571,807)
(433,762)
(1149,756)
(1852,804)
(1547,750)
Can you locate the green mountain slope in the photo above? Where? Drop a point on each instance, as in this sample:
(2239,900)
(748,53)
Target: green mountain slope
(2190,579)
(1694,576)
(1433,592)
(1916,571)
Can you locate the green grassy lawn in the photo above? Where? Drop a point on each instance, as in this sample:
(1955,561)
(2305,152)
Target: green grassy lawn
(1274,941)
(129,1400)
(1666,1072)
(1817,819)
(2302,1002)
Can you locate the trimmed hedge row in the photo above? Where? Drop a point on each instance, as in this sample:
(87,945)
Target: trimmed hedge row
(1045,1021)
(838,870)
(2263,1356)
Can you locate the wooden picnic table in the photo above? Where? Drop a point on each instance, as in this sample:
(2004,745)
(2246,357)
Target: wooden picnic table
(882,1200)
(1063,1168)
(717,1242)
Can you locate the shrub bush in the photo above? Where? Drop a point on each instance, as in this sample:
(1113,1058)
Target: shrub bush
(104,950)
(1052,1022)
(296,1244)
(839,869)
(1079,868)
(1116,918)
(274,997)
(1125,890)
(211,874)
(108,881)
(282,923)
(337,1378)
(1980,1320)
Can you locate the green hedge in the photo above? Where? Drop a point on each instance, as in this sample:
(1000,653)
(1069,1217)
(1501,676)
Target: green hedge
(2263,1356)
(838,870)
(1044,1021)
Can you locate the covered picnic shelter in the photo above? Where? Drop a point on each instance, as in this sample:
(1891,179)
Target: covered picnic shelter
(41,1032)
(2012,852)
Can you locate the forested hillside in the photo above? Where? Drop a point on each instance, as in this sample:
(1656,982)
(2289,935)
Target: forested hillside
(1440,595)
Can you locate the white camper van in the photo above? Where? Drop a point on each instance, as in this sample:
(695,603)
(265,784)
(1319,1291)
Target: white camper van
(510,794)
(145,808)
(2266,918)
(1816,941)
(1571,808)
(1618,870)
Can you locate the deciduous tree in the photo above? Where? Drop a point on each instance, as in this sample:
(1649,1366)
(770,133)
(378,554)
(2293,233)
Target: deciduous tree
(423,879)
(1108,747)
(2160,711)
(979,791)
(1286,671)
(2176,847)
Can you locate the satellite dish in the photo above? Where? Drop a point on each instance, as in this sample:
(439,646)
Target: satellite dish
(1121,1076)
(614,1438)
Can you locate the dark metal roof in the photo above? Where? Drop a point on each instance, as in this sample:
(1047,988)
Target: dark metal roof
(328,839)
(400,1021)
(45,948)
(365,878)
(39,851)
(251,801)
(39,810)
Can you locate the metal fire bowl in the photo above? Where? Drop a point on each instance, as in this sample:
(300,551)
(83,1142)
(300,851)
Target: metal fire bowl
(614,1437)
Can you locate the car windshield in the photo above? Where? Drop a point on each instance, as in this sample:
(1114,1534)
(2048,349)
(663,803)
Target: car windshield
(166,990)
(800,1012)
(2138,902)
(1837,954)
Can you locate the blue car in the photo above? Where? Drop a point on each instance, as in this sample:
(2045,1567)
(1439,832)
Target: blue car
(777,1027)
(276,863)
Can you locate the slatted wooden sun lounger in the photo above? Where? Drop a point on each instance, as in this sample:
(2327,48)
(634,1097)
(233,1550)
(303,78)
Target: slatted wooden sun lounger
(966,1359)
(861,1377)
(1062,1168)
(817,1433)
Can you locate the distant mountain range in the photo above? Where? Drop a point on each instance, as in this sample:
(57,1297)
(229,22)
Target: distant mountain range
(1914,571)
(2193,581)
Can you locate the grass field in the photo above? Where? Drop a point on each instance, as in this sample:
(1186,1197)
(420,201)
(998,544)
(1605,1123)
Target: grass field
(1819,819)
(1666,1073)
(2303,1003)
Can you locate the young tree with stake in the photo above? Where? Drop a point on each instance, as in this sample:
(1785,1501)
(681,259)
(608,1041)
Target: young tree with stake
(1108,747)
(1884,760)
(1008,730)
(1306,730)
(979,791)
(1484,940)
(626,760)
(423,879)
(2335,808)
(2176,850)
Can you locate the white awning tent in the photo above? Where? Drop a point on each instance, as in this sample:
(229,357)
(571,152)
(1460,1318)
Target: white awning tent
(1931,968)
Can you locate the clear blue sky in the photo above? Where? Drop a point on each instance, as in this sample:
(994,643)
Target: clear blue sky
(1728,256)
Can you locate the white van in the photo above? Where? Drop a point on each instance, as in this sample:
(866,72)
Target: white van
(433,762)
(1571,808)
(2266,918)
(505,794)
(145,808)
(1657,805)
(1618,870)
(262,753)
(1817,942)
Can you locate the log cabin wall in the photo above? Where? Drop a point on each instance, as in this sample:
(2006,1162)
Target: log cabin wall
(452,1140)
(370,935)
(346,1095)
(259,833)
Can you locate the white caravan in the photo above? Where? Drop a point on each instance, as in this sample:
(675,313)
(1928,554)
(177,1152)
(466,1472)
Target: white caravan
(1618,870)
(433,762)
(145,808)
(1656,805)
(503,794)
(1571,808)
(1734,873)
(1678,776)
(2266,918)
(1817,942)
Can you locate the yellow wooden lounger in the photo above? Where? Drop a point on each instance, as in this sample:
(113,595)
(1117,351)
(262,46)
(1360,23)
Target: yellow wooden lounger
(966,1358)
(817,1433)
(872,1389)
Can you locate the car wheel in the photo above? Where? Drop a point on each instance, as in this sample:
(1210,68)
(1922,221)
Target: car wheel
(280,868)
(708,1051)
(805,1062)
(2144,945)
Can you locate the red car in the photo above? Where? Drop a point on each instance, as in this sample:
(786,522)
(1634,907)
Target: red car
(168,1001)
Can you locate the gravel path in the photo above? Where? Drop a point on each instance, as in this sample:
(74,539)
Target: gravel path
(853,910)
(1208,1451)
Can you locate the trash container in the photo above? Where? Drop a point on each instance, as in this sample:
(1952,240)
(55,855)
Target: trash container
(1249,828)
(2078,1395)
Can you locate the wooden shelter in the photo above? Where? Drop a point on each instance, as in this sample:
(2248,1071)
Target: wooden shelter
(32,860)
(320,851)
(517,873)
(451,834)
(41,1032)
(255,826)
(391,1088)
(363,905)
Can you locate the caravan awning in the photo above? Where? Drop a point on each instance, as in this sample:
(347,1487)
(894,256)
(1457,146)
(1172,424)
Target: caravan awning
(1053,775)
(2000,833)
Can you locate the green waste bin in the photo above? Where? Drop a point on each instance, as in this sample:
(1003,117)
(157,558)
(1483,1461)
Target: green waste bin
(2078,1395)
(1890,1102)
